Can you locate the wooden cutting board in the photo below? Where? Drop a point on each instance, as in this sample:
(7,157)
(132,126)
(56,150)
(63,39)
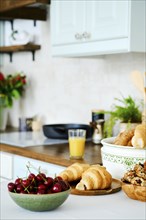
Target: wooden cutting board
(115,187)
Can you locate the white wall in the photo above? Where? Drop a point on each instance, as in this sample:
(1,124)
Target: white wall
(62,90)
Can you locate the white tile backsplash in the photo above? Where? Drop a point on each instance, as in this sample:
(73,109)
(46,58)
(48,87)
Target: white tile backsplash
(64,90)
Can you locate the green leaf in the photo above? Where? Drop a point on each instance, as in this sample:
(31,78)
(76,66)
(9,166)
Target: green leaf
(15,93)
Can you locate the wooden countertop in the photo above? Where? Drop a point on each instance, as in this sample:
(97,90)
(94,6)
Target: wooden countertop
(56,154)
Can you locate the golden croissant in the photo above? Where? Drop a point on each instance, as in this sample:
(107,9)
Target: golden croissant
(74,172)
(95,177)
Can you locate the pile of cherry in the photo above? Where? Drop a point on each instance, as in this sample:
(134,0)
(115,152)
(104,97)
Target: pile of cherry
(38,184)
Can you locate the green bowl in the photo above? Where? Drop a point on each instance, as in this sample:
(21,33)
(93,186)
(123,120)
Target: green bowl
(39,203)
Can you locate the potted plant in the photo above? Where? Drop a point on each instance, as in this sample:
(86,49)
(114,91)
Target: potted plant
(11,87)
(127,112)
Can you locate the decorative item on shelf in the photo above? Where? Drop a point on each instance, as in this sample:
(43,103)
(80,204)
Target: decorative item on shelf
(20,37)
(11,87)
(129,113)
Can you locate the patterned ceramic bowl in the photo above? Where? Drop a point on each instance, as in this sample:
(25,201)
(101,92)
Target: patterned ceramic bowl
(119,159)
(39,203)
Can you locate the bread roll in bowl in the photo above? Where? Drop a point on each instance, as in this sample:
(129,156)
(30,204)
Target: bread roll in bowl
(134,191)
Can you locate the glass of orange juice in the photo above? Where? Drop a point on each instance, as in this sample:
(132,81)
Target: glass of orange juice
(77,138)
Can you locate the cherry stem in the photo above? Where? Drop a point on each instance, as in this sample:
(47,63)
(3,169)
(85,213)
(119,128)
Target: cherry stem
(31,166)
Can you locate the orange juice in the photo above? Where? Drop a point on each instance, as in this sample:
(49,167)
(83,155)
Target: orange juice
(76,147)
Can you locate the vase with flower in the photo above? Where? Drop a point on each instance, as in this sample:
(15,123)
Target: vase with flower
(11,88)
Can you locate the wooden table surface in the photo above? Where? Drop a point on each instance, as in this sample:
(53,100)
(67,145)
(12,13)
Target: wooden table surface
(55,154)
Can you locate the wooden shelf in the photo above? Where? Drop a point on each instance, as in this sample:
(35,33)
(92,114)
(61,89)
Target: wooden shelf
(20,48)
(6,5)
(28,9)
(22,9)
(29,13)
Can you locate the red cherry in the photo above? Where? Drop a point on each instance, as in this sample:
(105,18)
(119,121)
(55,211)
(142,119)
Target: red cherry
(65,185)
(25,183)
(58,178)
(41,177)
(56,188)
(31,176)
(48,182)
(18,181)
(19,188)
(41,191)
(24,192)
(31,188)
(49,191)
(11,187)
(41,187)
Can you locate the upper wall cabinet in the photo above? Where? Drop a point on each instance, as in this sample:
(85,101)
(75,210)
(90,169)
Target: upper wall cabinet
(83,28)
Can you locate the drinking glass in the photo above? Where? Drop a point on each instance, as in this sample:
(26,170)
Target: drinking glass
(77,138)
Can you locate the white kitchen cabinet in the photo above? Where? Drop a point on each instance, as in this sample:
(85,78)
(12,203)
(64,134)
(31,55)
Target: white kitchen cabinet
(83,28)
(66,17)
(6,166)
(13,166)
(20,169)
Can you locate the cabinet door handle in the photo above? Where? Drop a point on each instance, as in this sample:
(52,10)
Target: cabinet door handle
(78,36)
(86,35)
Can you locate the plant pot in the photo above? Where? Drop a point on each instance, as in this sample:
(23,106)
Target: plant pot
(3,113)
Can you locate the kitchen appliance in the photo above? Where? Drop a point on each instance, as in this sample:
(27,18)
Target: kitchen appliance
(60,131)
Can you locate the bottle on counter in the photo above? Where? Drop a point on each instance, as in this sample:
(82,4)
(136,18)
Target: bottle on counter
(97,124)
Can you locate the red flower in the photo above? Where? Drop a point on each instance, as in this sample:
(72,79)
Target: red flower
(24,81)
(2,77)
(18,78)
(12,87)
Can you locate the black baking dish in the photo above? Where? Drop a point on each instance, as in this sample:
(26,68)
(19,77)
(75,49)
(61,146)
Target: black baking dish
(60,131)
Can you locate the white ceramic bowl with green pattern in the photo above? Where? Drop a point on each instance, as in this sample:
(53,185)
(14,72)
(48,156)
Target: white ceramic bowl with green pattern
(41,202)
(119,159)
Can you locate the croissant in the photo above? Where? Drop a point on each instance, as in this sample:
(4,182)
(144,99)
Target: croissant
(139,138)
(96,177)
(74,172)
(124,138)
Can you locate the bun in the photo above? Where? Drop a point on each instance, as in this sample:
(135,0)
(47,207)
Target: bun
(124,138)
(139,138)
(74,172)
(96,177)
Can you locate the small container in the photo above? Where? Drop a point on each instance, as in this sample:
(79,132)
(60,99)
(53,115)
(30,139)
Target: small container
(25,124)
(98,131)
